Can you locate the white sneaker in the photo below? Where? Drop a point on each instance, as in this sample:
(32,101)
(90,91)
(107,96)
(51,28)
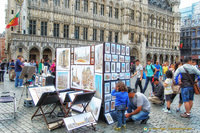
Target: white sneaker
(167,111)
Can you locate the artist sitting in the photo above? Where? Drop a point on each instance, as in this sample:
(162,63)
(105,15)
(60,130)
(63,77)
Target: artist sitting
(138,108)
(158,94)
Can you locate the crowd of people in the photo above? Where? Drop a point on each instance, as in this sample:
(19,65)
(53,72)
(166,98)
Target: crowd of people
(14,68)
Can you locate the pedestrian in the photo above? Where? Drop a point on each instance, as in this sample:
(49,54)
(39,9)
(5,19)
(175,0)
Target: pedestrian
(169,94)
(138,108)
(139,73)
(188,73)
(178,82)
(46,63)
(8,66)
(12,70)
(121,104)
(41,66)
(26,63)
(53,68)
(158,67)
(18,70)
(158,95)
(151,71)
(2,70)
(165,69)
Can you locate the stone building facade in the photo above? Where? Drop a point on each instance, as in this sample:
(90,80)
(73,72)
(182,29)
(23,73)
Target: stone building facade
(150,27)
(2,47)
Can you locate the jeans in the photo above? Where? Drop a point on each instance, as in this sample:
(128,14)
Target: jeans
(148,79)
(187,94)
(157,75)
(142,115)
(2,76)
(119,115)
(138,82)
(17,80)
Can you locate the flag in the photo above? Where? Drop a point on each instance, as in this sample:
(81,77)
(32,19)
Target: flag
(181,45)
(13,21)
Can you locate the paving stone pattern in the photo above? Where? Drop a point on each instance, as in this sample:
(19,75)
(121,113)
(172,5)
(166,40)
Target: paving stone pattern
(159,121)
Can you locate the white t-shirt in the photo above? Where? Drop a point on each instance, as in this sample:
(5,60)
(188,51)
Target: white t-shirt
(168,88)
(139,68)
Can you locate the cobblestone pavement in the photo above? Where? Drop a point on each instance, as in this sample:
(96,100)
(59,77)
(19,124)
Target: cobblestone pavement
(159,121)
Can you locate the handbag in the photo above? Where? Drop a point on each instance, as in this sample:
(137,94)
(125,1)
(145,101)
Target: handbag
(195,85)
(176,89)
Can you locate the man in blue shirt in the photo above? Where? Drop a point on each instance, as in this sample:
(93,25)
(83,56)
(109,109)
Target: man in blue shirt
(158,67)
(151,71)
(18,70)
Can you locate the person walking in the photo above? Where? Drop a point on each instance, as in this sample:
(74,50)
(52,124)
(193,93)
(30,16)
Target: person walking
(41,66)
(121,104)
(18,70)
(188,73)
(139,73)
(165,69)
(53,68)
(12,70)
(151,71)
(158,67)
(2,70)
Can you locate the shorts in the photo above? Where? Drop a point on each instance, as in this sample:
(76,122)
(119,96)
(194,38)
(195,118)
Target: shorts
(187,94)
(170,97)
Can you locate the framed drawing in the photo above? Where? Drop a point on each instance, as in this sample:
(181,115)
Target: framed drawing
(99,58)
(107,48)
(124,82)
(107,76)
(112,105)
(94,107)
(123,67)
(123,51)
(128,83)
(127,75)
(127,50)
(107,57)
(114,76)
(107,87)
(127,58)
(115,58)
(62,80)
(118,66)
(107,107)
(107,67)
(109,118)
(92,48)
(63,59)
(113,67)
(113,97)
(107,97)
(113,49)
(113,86)
(82,55)
(121,58)
(118,49)
(121,76)
(92,61)
(127,67)
(92,55)
(98,86)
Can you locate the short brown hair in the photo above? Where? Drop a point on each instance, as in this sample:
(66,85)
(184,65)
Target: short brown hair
(122,87)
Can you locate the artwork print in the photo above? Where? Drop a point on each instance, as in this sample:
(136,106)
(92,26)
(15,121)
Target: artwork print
(107,87)
(62,80)
(123,51)
(114,76)
(107,76)
(121,75)
(127,75)
(115,58)
(118,49)
(113,86)
(107,107)
(99,58)
(63,59)
(107,97)
(123,67)
(82,55)
(107,67)
(118,66)
(107,57)
(113,49)
(98,86)
(112,105)
(94,107)
(113,67)
(107,48)
(109,118)
(127,58)
(121,58)
(82,77)
(128,83)
(127,67)
(127,50)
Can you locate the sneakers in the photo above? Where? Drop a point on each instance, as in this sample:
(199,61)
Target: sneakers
(124,126)
(167,111)
(144,121)
(178,110)
(185,115)
(117,128)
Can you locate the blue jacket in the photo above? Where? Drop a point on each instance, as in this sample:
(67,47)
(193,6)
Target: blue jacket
(121,98)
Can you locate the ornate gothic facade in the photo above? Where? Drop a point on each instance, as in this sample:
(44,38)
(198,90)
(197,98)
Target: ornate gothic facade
(150,27)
